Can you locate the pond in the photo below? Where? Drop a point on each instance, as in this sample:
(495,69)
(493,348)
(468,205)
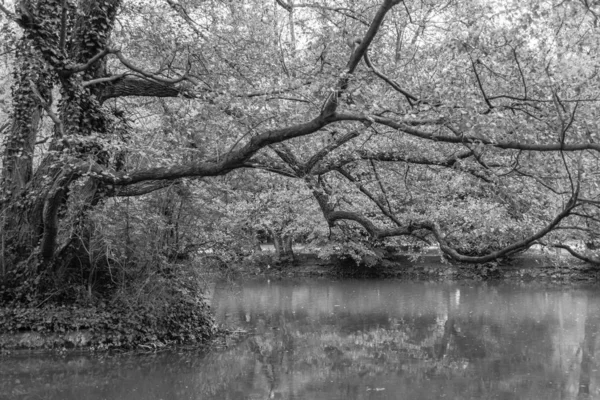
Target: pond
(370,339)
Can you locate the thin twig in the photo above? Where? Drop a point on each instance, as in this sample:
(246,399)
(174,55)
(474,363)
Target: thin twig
(409,97)
(487,100)
(148,75)
(520,73)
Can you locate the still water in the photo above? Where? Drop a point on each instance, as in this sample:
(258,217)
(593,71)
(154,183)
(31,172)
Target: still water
(350,340)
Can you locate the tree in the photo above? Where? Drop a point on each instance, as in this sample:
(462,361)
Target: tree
(450,122)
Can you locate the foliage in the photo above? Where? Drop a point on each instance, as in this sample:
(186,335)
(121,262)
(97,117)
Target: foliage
(159,311)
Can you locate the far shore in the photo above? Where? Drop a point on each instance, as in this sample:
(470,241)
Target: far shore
(534,264)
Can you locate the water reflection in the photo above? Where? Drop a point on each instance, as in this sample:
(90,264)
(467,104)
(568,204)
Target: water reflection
(355,340)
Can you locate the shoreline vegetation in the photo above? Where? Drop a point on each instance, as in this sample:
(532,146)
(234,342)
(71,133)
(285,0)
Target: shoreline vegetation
(116,327)
(530,265)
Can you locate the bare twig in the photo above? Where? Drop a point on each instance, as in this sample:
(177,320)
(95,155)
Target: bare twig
(385,195)
(340,10)
(409,97)
(485,97)
(520,73)
(385,210)
(321,154)
(145,74)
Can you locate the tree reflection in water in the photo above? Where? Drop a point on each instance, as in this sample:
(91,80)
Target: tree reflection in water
(355,340)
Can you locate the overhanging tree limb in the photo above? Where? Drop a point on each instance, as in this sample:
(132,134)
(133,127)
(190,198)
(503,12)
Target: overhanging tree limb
(462,139)
(409,229)
(216,166)
(576,254)
(391,156)
(330,106)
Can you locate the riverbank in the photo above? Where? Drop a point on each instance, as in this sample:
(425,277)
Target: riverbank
(526,267)
(54,328)
(102,328)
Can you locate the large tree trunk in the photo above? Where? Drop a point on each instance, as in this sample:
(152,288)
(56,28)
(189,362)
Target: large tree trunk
(35,202)
(20,232)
